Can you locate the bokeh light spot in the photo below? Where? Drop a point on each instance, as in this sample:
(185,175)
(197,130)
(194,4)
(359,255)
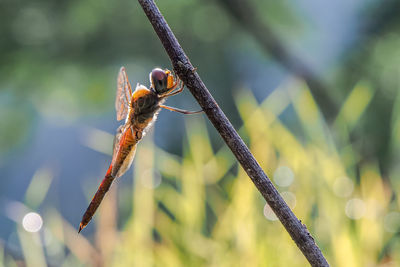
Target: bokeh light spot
(214,16)
(355,208)
(391,222)
(32,26)
(269,214)
(289,198)
(32,222)
(151,179)
(283,176)
(343,186)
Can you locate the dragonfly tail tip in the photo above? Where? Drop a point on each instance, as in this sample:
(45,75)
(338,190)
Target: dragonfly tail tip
(80,228)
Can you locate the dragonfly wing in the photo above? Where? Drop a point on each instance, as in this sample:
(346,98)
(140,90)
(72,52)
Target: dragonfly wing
(118,144)
(117,138)
(124,93)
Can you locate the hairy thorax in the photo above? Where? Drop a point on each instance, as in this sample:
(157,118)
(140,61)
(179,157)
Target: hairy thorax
(145,105)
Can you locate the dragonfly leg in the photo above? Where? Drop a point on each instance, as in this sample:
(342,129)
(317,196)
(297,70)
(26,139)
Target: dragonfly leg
(179,90)
(187,112)
(174,85)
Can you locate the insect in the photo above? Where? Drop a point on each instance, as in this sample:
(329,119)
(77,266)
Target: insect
(140,109)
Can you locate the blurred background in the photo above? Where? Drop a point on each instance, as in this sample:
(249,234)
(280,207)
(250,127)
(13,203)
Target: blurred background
(311,86)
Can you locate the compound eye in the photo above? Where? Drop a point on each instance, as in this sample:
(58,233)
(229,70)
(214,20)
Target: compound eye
(159,79)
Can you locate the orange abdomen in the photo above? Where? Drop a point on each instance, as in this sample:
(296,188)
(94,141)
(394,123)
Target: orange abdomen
(126,152)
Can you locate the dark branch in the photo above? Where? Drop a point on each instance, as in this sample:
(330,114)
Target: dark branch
(247,17)
(189,76)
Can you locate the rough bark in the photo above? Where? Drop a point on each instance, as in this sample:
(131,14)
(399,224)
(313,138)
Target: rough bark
(187,73)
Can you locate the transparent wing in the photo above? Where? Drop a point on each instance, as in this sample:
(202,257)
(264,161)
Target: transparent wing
(117,138)
(124,93)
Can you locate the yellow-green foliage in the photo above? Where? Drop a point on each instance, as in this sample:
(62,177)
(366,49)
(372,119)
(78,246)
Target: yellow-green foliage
(207,212)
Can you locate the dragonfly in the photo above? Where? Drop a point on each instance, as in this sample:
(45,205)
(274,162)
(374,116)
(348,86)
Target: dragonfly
(140,109)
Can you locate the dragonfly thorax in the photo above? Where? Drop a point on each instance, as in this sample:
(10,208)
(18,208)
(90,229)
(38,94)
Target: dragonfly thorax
(145,106)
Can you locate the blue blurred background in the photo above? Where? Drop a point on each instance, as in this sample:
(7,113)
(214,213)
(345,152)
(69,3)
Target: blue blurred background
(58,68)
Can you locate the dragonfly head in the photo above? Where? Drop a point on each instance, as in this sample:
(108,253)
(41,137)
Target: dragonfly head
(161,81)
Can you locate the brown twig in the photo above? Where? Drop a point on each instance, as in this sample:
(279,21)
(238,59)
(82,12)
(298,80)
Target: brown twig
(248,18)
(187,73)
